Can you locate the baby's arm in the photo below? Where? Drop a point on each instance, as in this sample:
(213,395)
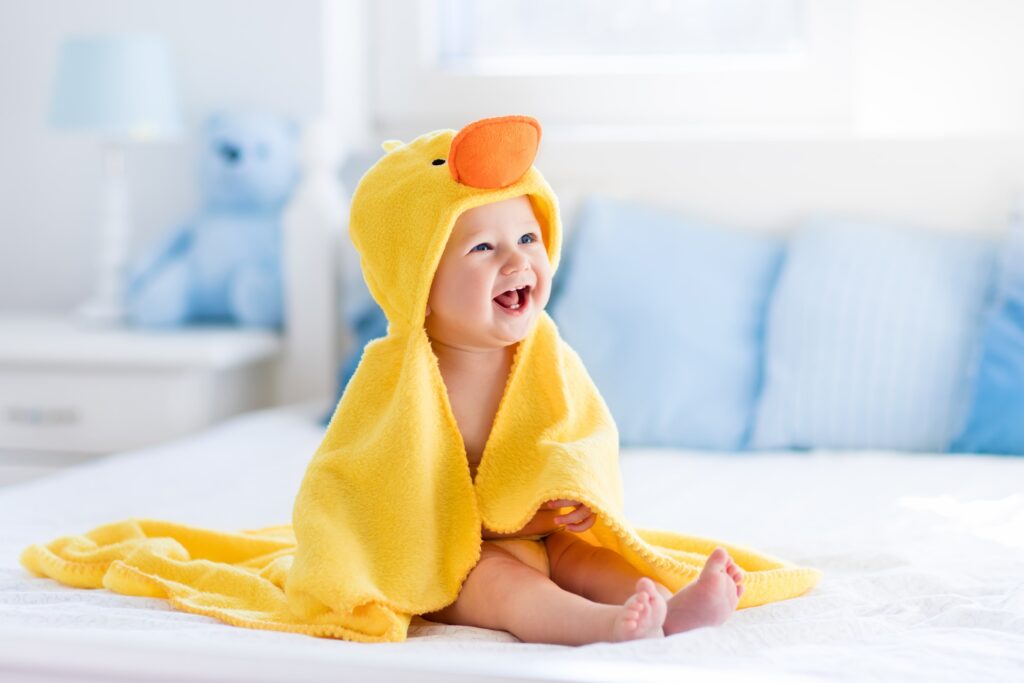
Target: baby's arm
(542,523)
(547,520)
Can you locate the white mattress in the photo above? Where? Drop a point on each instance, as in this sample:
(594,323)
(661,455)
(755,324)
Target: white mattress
(923,561)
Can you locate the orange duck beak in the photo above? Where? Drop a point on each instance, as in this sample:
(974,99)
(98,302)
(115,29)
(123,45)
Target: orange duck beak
(494,153)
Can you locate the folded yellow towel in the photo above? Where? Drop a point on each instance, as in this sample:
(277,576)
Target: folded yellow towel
(387,521)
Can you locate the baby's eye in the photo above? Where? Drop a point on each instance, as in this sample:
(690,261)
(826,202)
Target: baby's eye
(530,237)
(482,244)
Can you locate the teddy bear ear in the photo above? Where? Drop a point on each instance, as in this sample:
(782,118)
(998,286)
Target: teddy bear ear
(390,145)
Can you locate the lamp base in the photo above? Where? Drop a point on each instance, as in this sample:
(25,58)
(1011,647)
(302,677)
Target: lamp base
(107,305)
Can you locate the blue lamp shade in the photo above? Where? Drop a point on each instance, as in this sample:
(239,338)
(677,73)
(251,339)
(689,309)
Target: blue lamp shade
(120,86)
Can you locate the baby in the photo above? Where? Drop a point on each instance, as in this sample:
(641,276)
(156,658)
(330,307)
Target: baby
(492,282)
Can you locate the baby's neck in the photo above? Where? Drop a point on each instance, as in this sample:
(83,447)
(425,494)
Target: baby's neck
(472,360)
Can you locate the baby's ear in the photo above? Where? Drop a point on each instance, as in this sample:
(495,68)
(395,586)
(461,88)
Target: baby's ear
(428,310)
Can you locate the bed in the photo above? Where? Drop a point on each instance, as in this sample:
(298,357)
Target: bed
(923,570)
(922,554)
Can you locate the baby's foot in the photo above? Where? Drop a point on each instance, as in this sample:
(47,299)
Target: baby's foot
(642,615)
(710,599)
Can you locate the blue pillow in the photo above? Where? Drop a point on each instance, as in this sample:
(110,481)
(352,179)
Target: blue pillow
(869,338)
(996,421)
(666,313)
(368,324)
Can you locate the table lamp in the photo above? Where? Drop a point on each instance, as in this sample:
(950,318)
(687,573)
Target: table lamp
(121,88)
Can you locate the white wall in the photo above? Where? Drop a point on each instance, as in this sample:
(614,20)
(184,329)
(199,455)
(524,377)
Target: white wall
(936,127)
(228,53)
(925,126)
(880,69)
(940,68)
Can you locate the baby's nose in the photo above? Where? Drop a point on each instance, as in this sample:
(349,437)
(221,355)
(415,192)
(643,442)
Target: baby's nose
(516,263)
(494,153)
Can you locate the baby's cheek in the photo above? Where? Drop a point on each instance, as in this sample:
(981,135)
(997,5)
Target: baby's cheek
(543,294)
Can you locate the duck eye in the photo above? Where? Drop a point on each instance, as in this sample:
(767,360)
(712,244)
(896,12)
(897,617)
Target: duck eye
(437,162)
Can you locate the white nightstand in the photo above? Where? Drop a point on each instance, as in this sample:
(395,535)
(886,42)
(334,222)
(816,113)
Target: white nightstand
(68,392)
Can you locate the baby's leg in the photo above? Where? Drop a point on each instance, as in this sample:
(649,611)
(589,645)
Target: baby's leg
(604,576)
(503,593)
(599,574)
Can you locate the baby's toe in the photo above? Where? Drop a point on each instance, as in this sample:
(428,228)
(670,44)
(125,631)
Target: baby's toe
(717,559)
(635,606)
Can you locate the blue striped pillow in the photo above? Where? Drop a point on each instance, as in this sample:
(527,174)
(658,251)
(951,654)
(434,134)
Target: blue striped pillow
(667,312)
(996,423)
(869,338)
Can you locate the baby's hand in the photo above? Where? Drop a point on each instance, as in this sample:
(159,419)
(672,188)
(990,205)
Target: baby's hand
(579,520)
(546,521)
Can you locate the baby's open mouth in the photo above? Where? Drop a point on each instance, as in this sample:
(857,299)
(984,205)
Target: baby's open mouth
(514,299)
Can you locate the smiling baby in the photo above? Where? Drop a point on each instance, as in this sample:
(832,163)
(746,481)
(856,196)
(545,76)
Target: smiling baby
(542,583)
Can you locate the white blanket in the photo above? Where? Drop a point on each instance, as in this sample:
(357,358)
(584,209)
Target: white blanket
(922,555)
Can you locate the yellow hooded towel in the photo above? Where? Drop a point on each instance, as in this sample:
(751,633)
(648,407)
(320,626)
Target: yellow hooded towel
(387,522)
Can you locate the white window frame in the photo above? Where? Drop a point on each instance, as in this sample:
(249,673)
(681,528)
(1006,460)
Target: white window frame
(805,94)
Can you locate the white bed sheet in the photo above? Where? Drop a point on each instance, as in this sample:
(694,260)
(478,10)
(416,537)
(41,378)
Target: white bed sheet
(923,561)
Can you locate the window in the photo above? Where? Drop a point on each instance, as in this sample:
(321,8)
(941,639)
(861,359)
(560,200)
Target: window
(695,67)
(533,36)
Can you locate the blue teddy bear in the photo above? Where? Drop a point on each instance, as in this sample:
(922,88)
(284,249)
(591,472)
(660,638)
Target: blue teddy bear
(224,264)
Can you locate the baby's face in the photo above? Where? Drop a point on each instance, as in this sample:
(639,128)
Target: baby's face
(493,248)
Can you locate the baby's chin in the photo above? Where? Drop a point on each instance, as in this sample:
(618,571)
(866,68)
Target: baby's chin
(512,339)
(489,335)
(498,335)
(514,330)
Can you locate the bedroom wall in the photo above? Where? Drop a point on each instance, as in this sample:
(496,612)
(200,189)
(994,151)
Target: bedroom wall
(228,53)
(949,183)
(931,132)
(935,137)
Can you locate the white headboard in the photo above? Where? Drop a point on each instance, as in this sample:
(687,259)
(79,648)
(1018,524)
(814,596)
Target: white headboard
(764,184)
(757,184)
(314,224)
